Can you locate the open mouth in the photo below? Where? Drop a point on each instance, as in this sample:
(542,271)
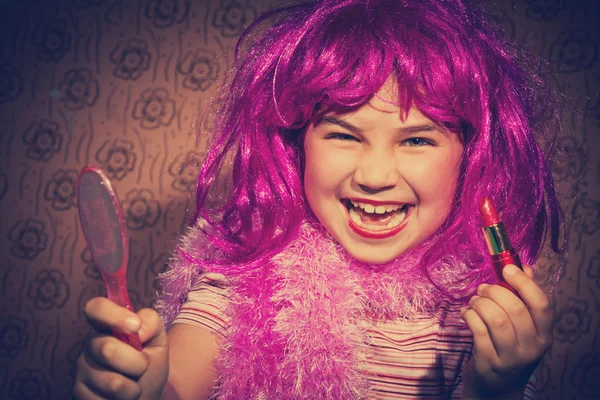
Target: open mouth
(376,221)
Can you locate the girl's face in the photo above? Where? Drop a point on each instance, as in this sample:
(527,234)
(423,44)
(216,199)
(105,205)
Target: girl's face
(380,185)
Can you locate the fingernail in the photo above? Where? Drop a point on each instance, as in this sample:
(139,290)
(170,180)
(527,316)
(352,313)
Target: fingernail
(510,270)
(473,299)
(481,288)
(132,324)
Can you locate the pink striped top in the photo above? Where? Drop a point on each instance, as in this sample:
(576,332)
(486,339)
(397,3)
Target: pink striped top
(409,359)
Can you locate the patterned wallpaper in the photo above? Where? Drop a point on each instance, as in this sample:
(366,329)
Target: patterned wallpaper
(121,83)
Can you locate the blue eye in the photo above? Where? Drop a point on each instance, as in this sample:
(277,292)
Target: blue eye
(342,136)
(417,142)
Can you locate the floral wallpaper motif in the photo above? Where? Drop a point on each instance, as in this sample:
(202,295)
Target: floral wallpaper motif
(61,190)
(11,83)
(43,140)
(124,85)
(141,209)
(52,39)
(79,89)
(48,289)
(154,108)
(165,13)
(3,376)
(200,70)
(587,212)
(29,384)
(131,59)
(574,50)
(584,377)
(90,270)
(543,9)
(116,158)
(185,170)
(232,16)
(569,160)
(3,184)
(572,322)
(593,271)
(28,238)
(14,336)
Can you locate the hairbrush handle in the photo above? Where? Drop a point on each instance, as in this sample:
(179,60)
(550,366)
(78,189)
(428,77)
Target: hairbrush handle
(116,289)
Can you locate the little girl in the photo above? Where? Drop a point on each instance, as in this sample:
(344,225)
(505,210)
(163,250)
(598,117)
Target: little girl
(346,260)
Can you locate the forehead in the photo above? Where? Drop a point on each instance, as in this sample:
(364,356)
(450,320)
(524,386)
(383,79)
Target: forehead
(386,100)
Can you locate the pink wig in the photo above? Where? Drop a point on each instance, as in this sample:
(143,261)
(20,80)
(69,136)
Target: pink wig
(334,55)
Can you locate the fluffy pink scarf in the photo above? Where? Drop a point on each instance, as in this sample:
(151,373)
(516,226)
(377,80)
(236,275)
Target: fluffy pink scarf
(295,330)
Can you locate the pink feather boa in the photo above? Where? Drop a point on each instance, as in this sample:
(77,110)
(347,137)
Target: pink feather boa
(295,325)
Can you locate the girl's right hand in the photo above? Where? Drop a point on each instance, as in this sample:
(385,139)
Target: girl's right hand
(111,369)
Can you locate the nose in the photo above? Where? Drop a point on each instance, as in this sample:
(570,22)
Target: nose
(376,172)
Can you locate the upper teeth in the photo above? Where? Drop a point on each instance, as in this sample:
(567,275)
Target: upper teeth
(369,208)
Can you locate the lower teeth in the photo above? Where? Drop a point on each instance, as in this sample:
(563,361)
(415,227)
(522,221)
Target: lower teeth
(394,221)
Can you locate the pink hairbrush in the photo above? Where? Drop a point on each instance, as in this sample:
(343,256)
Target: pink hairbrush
(105,232)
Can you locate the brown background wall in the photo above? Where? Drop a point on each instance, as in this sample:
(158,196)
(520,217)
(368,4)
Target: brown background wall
(119,83)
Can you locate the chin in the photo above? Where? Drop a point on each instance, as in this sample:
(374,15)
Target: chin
(372,256)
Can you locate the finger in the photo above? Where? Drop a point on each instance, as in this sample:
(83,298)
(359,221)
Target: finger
(528,271)
(534,297)
(482,342)
(104,382)
(105,315)
(498,324)
(118,356)
(82,392)
(152,332)
(515,309)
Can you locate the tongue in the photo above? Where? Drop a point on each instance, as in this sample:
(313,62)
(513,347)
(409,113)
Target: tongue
(375,219)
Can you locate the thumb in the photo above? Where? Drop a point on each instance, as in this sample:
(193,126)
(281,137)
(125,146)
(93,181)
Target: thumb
(152,332)
(155,345)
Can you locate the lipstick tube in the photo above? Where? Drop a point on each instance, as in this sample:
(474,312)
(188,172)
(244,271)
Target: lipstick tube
(498,243)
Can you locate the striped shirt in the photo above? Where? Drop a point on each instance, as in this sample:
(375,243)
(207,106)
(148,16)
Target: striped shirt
(409,359)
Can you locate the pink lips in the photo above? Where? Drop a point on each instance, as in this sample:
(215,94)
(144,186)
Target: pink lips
(379,234)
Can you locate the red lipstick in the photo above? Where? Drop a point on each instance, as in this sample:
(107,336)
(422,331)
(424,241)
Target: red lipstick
(376,235)
(496,238)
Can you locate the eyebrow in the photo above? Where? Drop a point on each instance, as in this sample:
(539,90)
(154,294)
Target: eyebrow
(328,119)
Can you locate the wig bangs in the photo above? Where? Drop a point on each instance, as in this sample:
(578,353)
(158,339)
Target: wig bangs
(345,53)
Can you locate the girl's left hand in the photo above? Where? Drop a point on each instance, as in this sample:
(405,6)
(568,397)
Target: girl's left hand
(510,335)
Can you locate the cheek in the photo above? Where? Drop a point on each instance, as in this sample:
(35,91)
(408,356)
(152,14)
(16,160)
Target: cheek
(313,165)
(435,181)
(324,168)
(445,181)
